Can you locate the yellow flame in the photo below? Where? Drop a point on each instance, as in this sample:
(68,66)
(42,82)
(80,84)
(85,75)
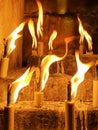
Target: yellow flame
(45,64)
(13,36)
(32,32)
(20,83)
(52,37)
(79,76)
(84,34)
(40,19)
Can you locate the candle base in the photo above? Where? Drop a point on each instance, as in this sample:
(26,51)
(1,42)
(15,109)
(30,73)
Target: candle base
(38,99)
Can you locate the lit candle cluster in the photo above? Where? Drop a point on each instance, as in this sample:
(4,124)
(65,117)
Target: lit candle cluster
(42,73)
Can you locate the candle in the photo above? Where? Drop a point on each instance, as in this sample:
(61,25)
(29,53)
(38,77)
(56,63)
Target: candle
(69,115)
(38,98)
(95,87)
(95,93)
(9,117)
(40,48)
(9,112)
(4,67)
(69,110)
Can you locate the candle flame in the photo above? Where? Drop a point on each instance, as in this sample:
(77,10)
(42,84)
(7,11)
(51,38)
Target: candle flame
(20,83)
(40,19)
(45,64)
(84,34)
(52,37)
(79,76)
(13,36)
(32,32)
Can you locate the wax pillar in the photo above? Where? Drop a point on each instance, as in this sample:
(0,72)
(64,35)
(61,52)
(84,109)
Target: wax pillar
(95,93)
(38,99)
(4,67)
(40,48)
(9,117)
(69,115)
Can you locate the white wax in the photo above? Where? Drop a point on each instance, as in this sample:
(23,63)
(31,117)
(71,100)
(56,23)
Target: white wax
(69,115)
(38,99)
(4,67)
(95,93)
(40,48)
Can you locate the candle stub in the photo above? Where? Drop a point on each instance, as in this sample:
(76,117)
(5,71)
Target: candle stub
(95,93)
(38,99)
(4,67)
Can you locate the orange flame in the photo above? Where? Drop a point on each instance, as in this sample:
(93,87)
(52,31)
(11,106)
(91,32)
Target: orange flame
(13,36)
(32,31)
(52,37)
(79,76)
(40,19)
(45,64)
(20,83)
(84,33)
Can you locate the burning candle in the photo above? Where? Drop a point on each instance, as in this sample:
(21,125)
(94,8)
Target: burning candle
(84,34)
(40,29)
(95,87)
(52,37)
(69,110)
(4,67)
(34,40)
(9,47)
(72,91)
(12,95)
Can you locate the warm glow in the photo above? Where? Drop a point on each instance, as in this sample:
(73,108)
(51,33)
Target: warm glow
(52,37)
(45,64)
(20,83)
(79,76)
(32,32)
(12,37)
(40,19)
(84,34)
